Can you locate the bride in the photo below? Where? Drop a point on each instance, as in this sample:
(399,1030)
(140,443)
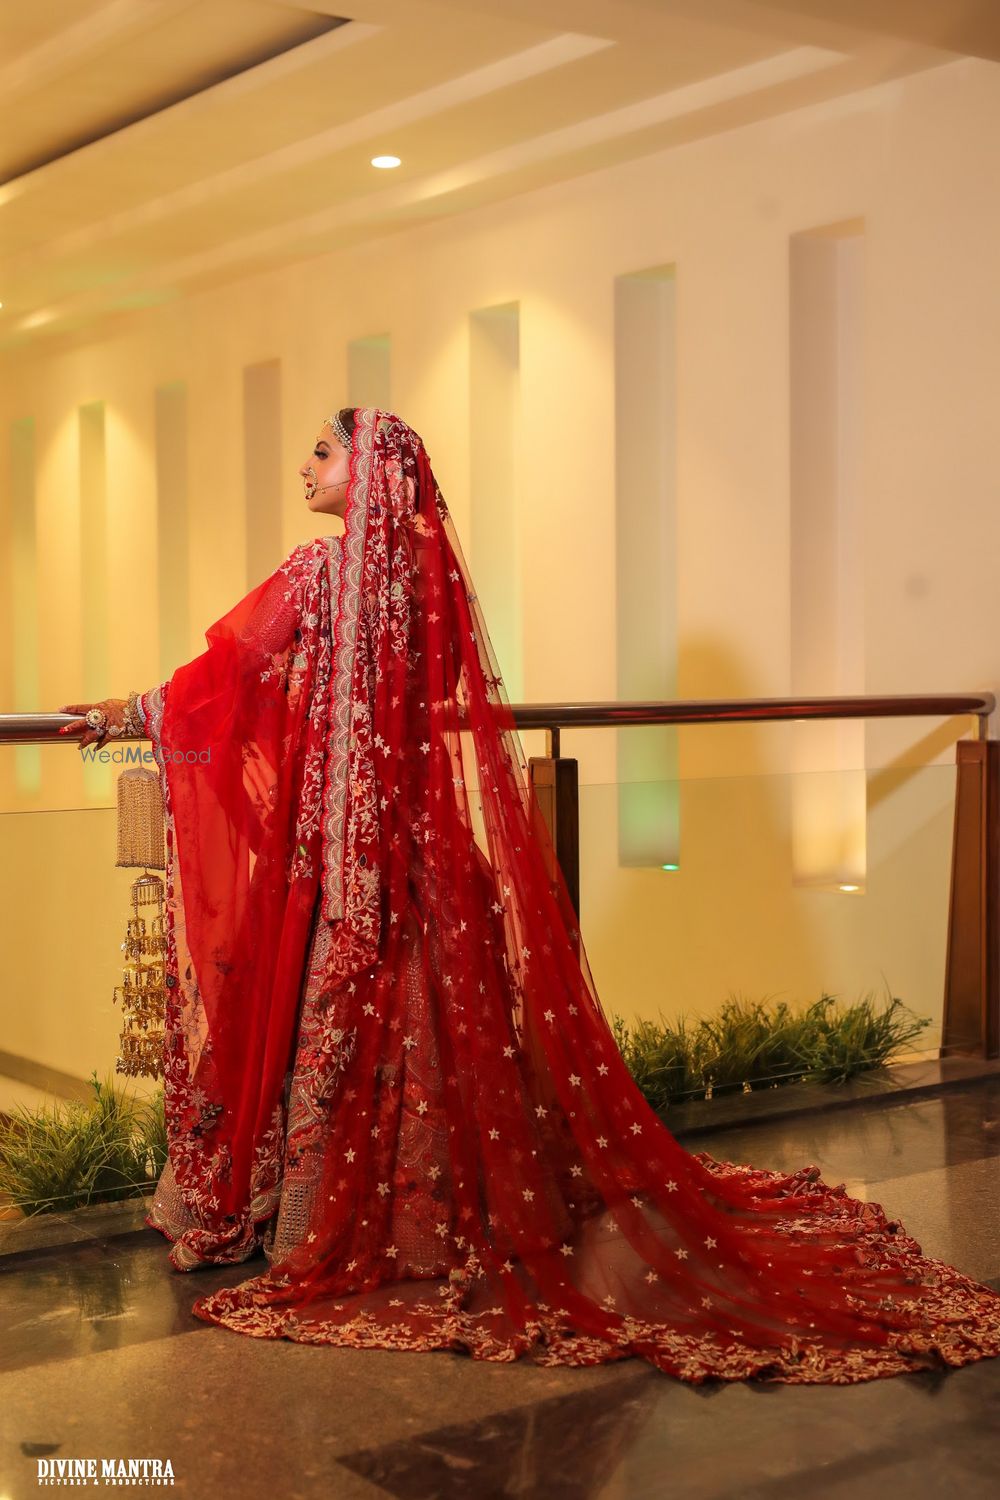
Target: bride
(385,1061)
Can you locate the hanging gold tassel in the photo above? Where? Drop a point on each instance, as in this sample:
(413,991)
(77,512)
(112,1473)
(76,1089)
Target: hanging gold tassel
(142,993)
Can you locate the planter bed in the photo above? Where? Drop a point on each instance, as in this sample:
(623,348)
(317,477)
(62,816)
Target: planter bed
(96,1221)
(881,1088)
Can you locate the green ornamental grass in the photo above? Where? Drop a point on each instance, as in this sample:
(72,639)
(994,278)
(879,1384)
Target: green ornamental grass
(758,1044)
(71,1153)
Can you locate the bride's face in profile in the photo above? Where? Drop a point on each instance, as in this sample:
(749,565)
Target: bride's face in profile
(325,474)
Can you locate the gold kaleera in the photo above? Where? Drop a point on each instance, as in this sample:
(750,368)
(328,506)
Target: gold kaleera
(142,993)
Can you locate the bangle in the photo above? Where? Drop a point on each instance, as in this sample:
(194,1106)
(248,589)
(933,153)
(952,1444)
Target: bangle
(133,716)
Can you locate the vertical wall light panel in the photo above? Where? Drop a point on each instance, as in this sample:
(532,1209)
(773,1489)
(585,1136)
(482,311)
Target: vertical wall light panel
(494,415)
(97,616)
(368,372)
(22,604)
(645,430)
(95,601)
(827,590)
(172,524)
(262,472)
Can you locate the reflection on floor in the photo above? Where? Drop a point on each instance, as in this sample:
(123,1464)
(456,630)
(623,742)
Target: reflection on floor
(101,1357)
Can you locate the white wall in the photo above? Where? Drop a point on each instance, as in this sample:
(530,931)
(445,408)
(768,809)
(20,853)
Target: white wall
(914,160)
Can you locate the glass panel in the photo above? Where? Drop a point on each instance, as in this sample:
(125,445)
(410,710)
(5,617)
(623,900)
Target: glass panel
(734,919)
(68,778)
(730,921)
(65,909)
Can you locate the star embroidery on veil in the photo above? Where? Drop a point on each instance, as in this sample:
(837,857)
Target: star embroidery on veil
(494,1134)
(602,1140)
(636,1129)
(574,1079)
(391,1250)
(566,1250)
(350,1155)
(602,1069)
(527,1195)
(508,1052)
(652,1276)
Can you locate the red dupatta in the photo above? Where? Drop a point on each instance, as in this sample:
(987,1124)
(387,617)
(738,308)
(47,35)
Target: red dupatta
(240,735)
(486,1175)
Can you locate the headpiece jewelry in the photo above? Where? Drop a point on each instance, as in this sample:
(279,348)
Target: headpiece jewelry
(343,436)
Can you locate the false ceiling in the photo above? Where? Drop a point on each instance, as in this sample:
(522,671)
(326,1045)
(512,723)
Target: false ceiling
(152,147)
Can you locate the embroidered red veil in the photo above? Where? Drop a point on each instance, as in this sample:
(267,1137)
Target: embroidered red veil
(386,1062)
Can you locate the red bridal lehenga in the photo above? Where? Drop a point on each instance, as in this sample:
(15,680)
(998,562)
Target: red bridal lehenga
(385,1059)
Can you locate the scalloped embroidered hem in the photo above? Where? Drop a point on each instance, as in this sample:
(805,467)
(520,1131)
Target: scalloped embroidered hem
(962,1326)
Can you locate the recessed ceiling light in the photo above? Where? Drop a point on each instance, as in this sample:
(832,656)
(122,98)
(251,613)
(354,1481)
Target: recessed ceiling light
(385,161)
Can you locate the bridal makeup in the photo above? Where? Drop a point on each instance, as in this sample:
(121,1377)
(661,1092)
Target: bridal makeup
(325,476)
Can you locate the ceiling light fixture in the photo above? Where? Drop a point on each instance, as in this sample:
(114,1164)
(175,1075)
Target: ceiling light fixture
(385,162)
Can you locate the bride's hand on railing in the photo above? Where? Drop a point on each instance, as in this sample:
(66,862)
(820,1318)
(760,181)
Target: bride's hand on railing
(114,708)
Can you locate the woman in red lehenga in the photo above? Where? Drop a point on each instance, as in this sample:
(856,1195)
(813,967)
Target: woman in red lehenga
(385,1059)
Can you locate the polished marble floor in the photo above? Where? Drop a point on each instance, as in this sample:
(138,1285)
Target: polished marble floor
(100,1356)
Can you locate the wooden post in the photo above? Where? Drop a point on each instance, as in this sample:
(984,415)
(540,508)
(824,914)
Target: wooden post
(556,785)
(971,1021)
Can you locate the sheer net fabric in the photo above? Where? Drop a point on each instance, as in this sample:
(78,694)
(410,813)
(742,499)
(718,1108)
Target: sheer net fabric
(386,1060)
